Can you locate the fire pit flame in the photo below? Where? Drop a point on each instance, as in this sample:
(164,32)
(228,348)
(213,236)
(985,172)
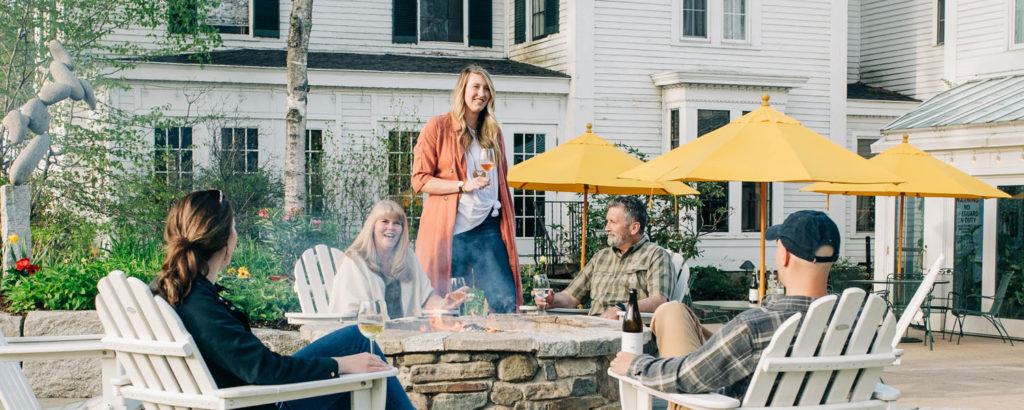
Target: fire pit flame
(449,324)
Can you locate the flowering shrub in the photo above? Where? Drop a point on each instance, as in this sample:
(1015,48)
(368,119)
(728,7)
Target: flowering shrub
(288,234)
(254,284)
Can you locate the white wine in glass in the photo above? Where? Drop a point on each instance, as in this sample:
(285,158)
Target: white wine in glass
(541,287)
(486,162)
(370,320)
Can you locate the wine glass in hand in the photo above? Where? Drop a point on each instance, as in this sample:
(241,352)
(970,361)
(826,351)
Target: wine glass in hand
(541,287)
(456,293)
(486,162)
(370,320)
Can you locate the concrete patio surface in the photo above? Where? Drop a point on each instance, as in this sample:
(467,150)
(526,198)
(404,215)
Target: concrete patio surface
(979,373)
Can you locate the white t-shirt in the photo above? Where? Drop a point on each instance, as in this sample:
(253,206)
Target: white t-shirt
(476,206)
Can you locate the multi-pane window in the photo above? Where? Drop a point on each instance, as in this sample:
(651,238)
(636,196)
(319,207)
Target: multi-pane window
(695,18)
(315,171)
(399,179)
(261,18)
(1010,247)
(528,205)
(240,147)
(453,21)
(545,18)
(1018,22)
(940,22)
(673,129)
(865,204)
(711,217)
(751,204)
(734,20)
(172,155)
(441,20)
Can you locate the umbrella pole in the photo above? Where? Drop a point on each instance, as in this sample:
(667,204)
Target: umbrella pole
(899,250)
(764,217)
(583,250)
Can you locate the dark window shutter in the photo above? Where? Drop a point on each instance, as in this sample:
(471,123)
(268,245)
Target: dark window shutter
(520,21)
(266,18)
(403,21)
(550,16)
(480,20)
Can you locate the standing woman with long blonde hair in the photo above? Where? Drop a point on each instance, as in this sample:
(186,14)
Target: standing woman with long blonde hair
(466,228)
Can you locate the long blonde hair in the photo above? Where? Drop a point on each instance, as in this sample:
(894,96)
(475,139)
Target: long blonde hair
(487,126)
(365,244)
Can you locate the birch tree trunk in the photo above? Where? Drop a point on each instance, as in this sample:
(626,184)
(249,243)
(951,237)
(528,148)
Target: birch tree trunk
(298,87)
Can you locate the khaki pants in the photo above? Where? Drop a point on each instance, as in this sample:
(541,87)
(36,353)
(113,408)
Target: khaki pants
(677,332)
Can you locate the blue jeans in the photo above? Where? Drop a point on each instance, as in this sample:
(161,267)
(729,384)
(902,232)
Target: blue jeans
(344,342)
(482,249)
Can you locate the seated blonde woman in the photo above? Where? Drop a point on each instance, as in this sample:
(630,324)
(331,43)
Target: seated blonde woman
(380,265)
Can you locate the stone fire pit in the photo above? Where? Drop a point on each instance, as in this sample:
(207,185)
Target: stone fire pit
(530,362)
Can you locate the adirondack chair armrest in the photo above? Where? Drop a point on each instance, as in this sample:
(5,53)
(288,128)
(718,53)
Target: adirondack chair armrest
(796,364)
(279,389)
(702,401)
(303,318)
(54,347)
(885,393)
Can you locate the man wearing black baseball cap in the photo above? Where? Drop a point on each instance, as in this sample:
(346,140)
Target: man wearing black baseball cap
(807,244)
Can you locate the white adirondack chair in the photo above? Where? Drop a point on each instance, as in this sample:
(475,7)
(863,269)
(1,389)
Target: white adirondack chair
(914,306)
(801,378)
(314,274)
(166,369)
(15,391)
(681,286)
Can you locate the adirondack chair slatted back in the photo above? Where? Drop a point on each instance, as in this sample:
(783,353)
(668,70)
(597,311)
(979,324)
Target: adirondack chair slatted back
(15,391)
(314,275)
(799,373)
(152,344)
(914,305)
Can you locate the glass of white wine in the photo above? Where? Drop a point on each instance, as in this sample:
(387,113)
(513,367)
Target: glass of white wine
(486,162)
(541,287)
(371,320)
(453,297)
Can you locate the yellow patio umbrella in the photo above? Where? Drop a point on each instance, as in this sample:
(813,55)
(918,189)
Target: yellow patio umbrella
(762,146)
(587,164)
(925,176)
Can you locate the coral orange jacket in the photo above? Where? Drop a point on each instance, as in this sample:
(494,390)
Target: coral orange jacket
(438,154)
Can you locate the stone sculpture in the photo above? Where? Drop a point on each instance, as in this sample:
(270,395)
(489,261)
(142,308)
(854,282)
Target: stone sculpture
(33,115)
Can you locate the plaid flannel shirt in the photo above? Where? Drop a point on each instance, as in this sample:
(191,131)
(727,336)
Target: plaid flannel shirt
(606,278)
(726,362)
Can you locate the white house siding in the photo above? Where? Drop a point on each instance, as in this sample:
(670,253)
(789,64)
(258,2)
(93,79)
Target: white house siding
(633,40)
(853,41)
(982,41)
(354,26)
(898,47)
(346,105)
(552,51)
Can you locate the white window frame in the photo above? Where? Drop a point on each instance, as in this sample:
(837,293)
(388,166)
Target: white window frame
(716,26)
(550,132)
(746,24)
(1011,37)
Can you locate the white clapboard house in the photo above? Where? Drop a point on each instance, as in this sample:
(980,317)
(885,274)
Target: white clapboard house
(650,74)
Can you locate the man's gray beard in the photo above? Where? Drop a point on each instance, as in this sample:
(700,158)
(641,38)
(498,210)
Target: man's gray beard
(614,240)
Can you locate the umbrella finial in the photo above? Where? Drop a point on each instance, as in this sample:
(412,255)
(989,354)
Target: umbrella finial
(589,125)
(764,99)
(905,136)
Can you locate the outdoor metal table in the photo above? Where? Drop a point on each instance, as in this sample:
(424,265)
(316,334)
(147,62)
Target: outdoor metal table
(898,303)
(728,308)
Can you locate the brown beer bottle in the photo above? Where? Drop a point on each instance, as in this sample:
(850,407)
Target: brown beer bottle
(632,327)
